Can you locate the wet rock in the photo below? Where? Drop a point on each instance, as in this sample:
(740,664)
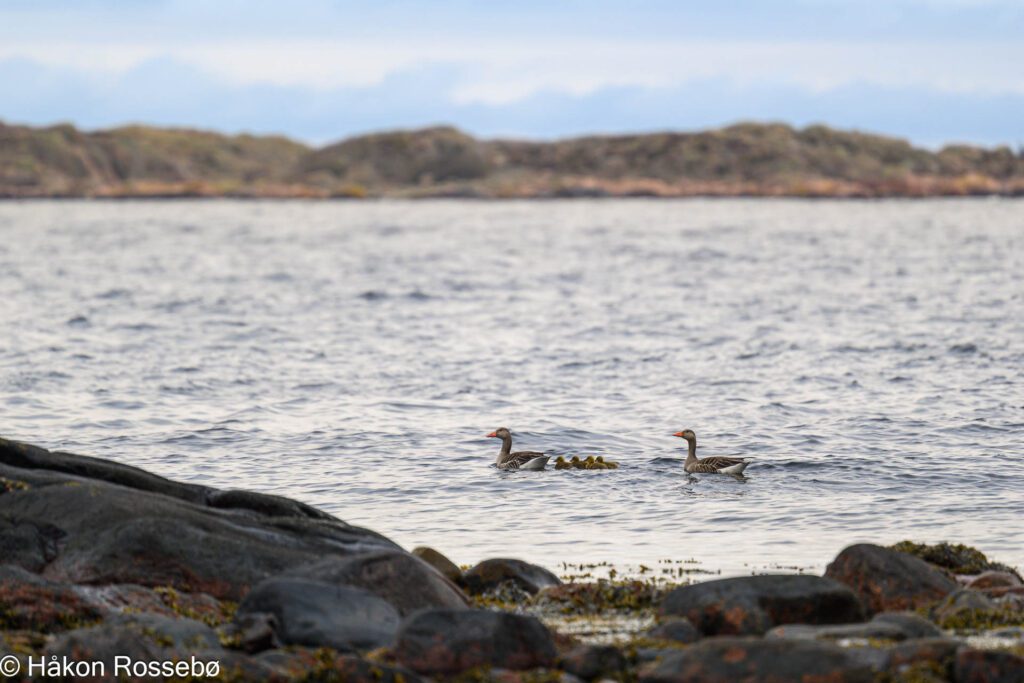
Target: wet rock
(888,580)
(957,558)
(987,666)
(594,661)
(142,637)
(305,664)
(598,596)
(113,534)
(251,632)
(263,504)
(28,545)
(993,579)
(885,626)
(28,601)
(912,625)
(752,605)
(494,572)
(445,642)
(932,655)
(1014,632)
(869,656)
(531,676)
(319,614)
(961,602)
(238,667)
(442,564)
(718,660)
(28,457)
(406,582)
(678,630)
(866,631)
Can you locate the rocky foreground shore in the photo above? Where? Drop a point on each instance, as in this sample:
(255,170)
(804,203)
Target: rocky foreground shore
(107,572)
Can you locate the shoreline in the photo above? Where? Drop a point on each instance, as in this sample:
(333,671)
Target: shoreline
(495,199)
(104,560)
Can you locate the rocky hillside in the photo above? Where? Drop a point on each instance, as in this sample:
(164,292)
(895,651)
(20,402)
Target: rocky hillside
(745,159)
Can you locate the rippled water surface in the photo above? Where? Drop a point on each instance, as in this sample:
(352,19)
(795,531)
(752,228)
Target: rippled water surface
(869,355)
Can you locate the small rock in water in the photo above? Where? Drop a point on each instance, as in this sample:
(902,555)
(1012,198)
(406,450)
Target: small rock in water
(751,605)
(447,642)
(494,572)
(439,562)
(889,580)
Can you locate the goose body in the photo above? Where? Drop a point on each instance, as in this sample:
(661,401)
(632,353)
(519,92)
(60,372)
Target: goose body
(712,465)
(522,460)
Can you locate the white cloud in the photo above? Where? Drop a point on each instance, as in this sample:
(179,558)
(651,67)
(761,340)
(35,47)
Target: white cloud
(495,73)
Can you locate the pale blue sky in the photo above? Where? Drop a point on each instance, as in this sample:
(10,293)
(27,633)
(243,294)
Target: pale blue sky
(934,71)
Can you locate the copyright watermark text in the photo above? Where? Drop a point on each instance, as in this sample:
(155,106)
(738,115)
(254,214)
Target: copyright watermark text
(65,667)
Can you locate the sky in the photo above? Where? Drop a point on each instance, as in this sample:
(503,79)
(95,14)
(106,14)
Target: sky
(932,71)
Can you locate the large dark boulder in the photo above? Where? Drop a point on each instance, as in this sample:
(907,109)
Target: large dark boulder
(86,531)
(28,457)
(496,571)
(987,666)
(889,580)
(724,660)
(751,605)
(406,582)
(318,614)
(447,642)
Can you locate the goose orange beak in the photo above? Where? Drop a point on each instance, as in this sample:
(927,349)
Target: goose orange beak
(679,434)
(492,435)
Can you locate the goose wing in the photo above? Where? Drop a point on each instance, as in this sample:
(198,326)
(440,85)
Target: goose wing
(716,464)
(514,461)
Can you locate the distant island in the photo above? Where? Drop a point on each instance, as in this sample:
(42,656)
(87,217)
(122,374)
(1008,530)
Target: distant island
(747,159)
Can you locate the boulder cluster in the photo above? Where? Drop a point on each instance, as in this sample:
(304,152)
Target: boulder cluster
(99,560)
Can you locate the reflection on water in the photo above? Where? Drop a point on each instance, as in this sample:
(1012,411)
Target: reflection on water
(867,355)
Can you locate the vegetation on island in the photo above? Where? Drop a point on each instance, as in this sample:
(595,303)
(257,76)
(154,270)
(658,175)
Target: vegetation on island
(747,159)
